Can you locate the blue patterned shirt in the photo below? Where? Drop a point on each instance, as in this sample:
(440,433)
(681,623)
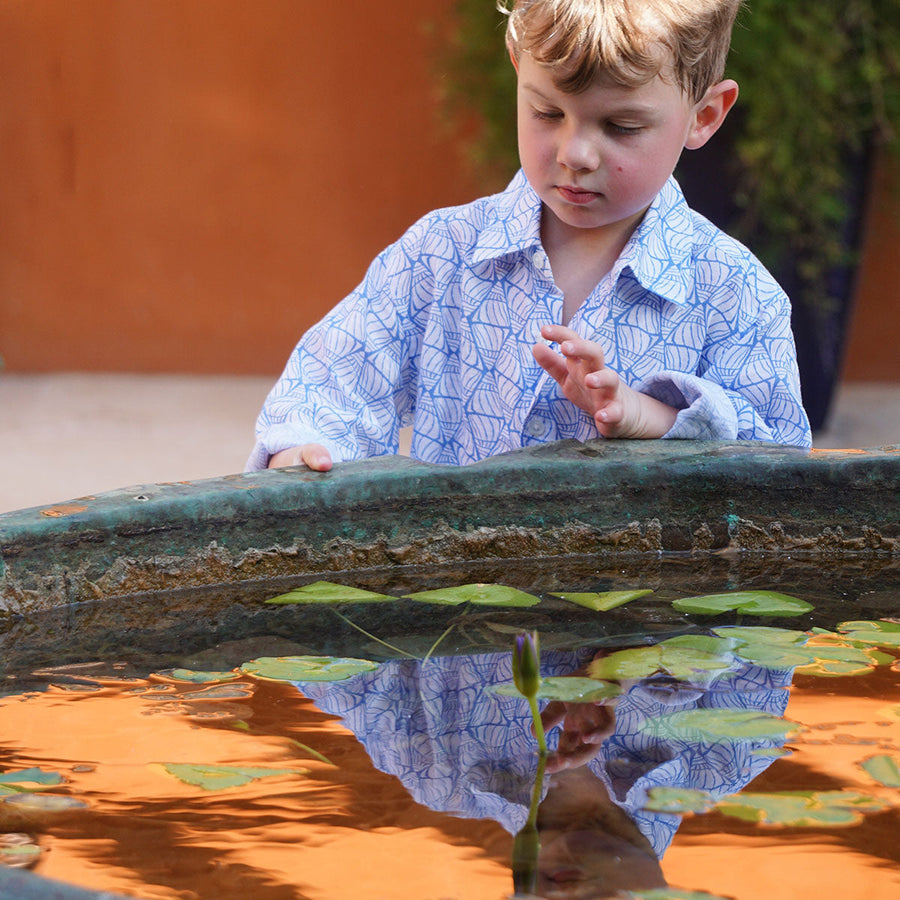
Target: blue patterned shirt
(439,335)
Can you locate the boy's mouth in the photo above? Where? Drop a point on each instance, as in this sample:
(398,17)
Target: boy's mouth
(576,195)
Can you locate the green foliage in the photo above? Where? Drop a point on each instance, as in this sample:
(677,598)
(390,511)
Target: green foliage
(217,778)
(603,601)
(479,594)
(306,668)
(752,603)
(820,84)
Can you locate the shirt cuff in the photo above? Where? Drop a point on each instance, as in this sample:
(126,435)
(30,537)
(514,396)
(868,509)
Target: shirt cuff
(705,412)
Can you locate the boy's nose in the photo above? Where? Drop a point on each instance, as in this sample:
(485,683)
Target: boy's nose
(578,152)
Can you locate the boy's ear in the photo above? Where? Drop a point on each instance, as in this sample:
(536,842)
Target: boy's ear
(513,59)
(710,113)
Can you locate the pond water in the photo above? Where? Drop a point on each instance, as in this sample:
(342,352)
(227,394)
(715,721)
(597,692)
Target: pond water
(731,755)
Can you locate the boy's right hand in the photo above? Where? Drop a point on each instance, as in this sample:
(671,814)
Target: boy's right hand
(313,456)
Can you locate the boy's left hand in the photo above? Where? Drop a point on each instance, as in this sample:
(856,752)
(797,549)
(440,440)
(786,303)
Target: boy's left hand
(580,370)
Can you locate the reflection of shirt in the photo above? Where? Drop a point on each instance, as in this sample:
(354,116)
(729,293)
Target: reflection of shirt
(439,336)
(459,748)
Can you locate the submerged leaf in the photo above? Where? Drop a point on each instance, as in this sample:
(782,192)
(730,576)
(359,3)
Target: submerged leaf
(801,809)
(751,603)
(30,776)
(695,658)
(884,769)
(603,601)
(216,778)
(306,668)
(881,633)
(568,689)
(668,893)
(678,800)
(192,677)
(479,594)
(328,592)
(720,725)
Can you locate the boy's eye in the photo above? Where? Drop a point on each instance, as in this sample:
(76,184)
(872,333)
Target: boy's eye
(545,113)
(616,128)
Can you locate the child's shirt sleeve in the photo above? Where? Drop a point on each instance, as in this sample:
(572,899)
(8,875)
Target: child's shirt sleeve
(347,383)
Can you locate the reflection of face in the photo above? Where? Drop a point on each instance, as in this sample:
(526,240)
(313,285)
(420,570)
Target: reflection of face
(590,848)
(590,864)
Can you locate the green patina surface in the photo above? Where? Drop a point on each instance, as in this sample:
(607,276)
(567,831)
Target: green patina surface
(606,498)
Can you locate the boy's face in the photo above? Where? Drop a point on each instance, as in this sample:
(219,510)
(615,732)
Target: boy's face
(598,158)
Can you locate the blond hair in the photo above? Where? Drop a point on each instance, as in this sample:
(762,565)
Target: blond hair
(628,41)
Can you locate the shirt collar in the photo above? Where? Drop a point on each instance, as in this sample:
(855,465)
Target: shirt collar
(513,222)
(658,254)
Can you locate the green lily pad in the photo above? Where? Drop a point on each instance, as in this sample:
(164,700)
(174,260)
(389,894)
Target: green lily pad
(884,769)
(479,594)
(843,661)
(43,804)
(696,658)
(603,601)
(720,725)
(671,894)
(801,809)
(883,634)
(217,778)
(751,603)
(306,668)
(678,800)
(328,592)
(19,856)
(32,776)
(192,677)
(568,689)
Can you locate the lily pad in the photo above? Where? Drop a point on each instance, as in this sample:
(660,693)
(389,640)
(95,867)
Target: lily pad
(884,769)
(25,777)
(720,726)
(881,633)
(801,809)
(568,689)
(671,894)
(751,603)
(478,594)
(678,800)
(603,601)
(192,677)
(217,778)
(306,668)
(695,658)
(328,592)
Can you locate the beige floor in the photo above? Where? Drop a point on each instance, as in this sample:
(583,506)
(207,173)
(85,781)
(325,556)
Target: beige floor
(67,435)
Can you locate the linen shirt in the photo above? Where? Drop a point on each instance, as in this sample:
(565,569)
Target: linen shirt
(439,336)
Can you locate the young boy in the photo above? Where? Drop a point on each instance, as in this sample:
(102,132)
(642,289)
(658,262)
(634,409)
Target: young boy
(586,299)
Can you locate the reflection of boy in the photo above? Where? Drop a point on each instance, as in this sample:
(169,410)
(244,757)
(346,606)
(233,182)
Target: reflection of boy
(649,322)
(459,748)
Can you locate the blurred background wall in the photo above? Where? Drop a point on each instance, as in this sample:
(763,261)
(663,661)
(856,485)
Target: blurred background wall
(186,185)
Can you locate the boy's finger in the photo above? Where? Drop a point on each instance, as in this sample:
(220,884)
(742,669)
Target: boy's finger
(316,457)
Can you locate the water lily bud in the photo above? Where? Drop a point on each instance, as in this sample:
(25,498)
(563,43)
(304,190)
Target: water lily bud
(526,664)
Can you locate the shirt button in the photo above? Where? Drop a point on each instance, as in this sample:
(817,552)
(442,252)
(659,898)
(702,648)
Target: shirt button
(535,427)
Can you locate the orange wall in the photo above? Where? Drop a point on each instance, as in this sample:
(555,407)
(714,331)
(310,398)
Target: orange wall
(186,185)
(873,351)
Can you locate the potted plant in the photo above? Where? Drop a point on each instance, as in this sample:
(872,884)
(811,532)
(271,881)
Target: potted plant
(788,173)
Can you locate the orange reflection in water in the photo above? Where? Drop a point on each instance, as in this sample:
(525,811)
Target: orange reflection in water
(337,831)
(847,721)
